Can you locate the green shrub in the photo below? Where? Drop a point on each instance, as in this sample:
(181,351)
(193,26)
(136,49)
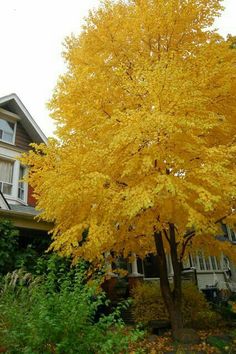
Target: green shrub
(8,246)
(51,314)
(148,305)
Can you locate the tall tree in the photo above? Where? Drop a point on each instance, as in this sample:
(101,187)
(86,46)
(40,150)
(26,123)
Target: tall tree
(146,124)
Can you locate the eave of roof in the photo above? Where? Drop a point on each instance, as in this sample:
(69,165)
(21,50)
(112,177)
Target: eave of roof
(24,209)
(25,220)
(16,106)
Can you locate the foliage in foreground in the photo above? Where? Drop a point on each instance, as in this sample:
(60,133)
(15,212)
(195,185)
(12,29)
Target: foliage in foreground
(148,305)
(47,315)
(8,246)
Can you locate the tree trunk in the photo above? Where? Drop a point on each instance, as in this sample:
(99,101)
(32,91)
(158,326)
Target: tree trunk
(172,298)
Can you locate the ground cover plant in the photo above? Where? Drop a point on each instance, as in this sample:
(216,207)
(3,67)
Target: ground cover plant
(58,314)
(148,305)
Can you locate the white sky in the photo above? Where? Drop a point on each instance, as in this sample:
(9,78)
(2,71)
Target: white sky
(32,33)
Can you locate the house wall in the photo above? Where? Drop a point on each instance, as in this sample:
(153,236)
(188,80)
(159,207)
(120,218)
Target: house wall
(31,200)
(22,139)
(206,279)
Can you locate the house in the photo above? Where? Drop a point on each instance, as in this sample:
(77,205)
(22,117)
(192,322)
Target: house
(17,131)
(206,271)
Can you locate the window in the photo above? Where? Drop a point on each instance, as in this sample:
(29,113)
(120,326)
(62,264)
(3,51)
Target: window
(7,131)
(150,265)
(194,261)
(21,185)
(6,175)
(224,229)
(205,263)
(201,261)
(229,233)
(232,235)
(214,263)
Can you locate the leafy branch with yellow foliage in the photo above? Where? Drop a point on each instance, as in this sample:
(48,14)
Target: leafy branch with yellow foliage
(146,126)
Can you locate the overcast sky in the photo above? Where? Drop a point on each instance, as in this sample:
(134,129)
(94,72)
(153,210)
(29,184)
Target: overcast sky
(32,33)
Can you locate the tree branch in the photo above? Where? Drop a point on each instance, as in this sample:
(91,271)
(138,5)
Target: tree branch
(166,236)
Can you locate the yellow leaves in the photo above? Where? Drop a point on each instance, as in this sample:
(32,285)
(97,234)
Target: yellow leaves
(136,200)
(147,163)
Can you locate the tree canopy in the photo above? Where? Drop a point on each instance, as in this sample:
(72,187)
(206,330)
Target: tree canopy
(146,126)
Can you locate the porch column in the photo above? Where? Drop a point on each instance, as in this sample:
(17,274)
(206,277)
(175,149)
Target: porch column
(134,266)
(135,277)
(111,281)
(109,266)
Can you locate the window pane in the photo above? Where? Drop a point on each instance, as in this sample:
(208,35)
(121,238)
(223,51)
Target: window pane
(224,229)
(7,137)
(7,188)
(201,261)
(6,171)
(21,176)
(6,130)
(21,184)
(213,262)
(226,264)
(140,265)
(233,235)
(22,172)
(21,193)
(218,262)
(207,262)
(194,261)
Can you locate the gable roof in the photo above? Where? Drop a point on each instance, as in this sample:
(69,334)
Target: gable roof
(13,104)
(3,202)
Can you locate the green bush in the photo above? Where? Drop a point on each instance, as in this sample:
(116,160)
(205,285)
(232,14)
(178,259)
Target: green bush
(148,305)
(18,250)
(8,246)
(58,314)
